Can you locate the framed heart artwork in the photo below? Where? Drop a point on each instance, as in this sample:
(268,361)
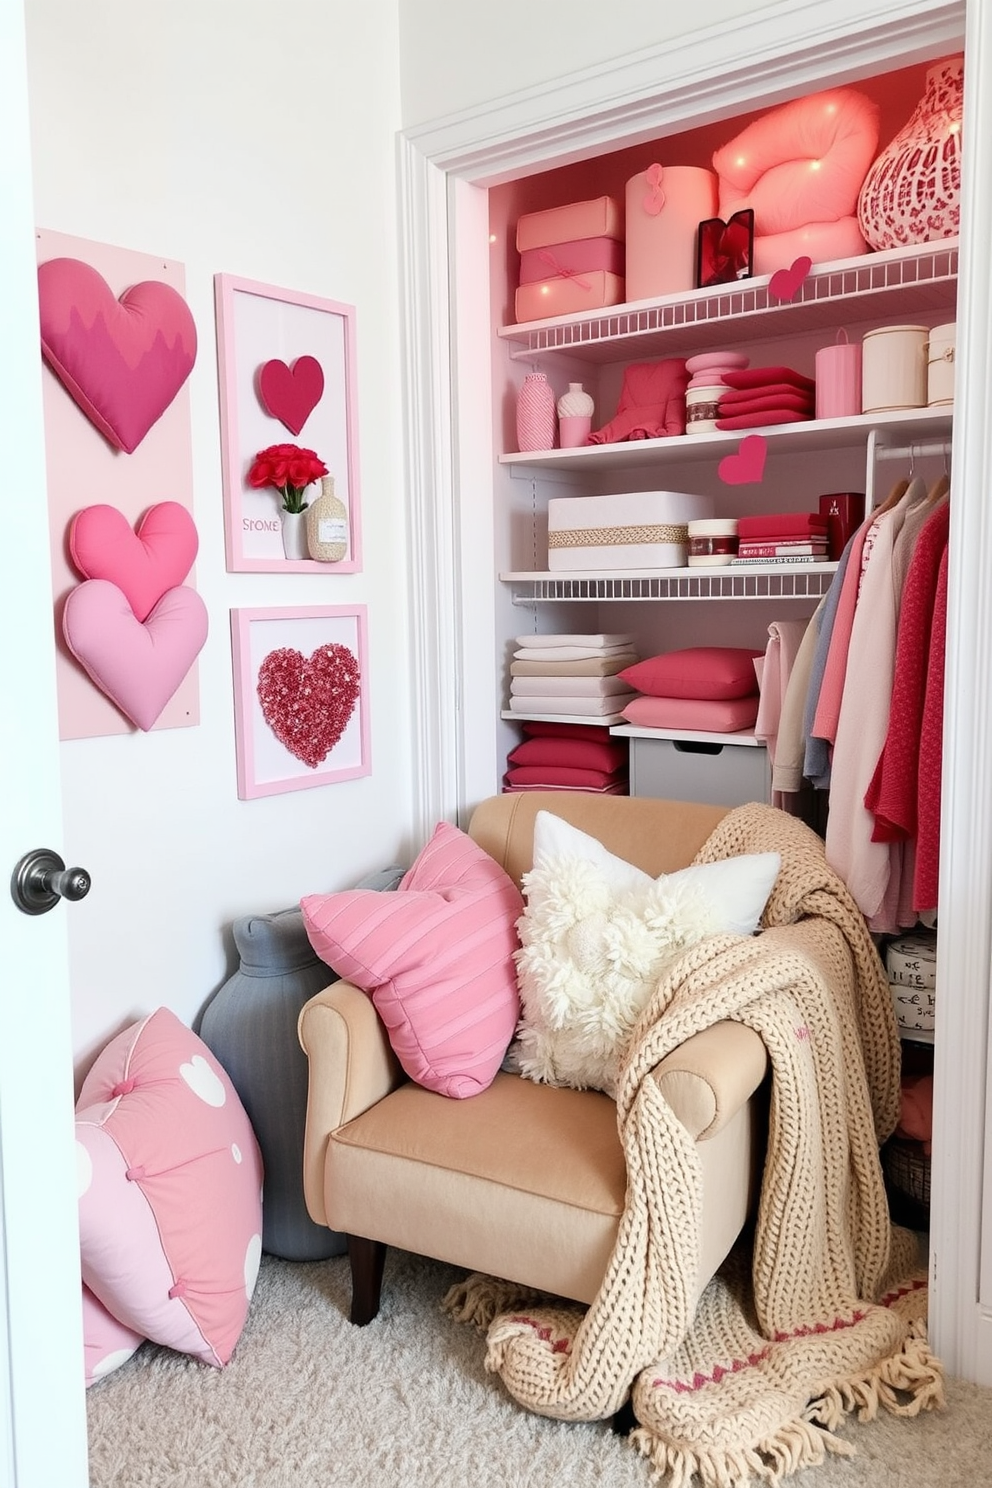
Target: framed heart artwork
(300,697)
(286,363)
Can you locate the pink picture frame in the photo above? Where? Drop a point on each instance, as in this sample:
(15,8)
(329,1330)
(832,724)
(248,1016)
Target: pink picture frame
(264,329)
(301,715)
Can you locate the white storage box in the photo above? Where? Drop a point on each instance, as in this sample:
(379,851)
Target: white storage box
(911,964)
(635,529)
(723,773)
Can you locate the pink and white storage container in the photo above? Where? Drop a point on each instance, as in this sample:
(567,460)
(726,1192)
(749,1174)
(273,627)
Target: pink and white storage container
(634,529)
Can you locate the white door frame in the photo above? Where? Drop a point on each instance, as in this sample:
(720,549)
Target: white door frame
(42,1402)
(445,168)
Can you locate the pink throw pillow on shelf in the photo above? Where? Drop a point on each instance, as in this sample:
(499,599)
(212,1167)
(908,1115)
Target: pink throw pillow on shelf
(170,1190)
(712,716)
(578,754)
(436,958)
(710,672)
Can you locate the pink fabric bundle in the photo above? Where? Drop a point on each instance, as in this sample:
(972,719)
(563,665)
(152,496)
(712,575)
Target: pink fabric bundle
(652,403)
(561,756)
(766,395)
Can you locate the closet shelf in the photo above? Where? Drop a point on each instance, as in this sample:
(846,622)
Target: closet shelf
(903,426)
(744,737)
(604,720)
(920,278)
(787,581)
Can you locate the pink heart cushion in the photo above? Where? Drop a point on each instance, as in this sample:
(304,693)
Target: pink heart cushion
(107,1342)
(436,957)
(170,1183)
(138,666)
(123,361)
(143,564)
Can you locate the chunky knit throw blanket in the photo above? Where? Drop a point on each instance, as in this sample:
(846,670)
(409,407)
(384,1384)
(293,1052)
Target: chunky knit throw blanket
(823,1313)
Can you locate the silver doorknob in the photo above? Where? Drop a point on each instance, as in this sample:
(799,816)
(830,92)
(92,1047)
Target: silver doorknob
(41,879)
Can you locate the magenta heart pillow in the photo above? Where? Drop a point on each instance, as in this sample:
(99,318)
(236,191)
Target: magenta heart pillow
(138,665)
(144,563)
(122,360)
(436,957)
(291,394)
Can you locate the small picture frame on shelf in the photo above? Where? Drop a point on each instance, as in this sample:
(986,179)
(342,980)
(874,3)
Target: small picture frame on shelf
(301,714)
(725,250)
(287,372)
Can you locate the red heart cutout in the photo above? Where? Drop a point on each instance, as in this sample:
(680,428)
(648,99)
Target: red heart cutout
(143,564)
(307,701)
(122,360)
(748,464)
(291,394)
(784,283)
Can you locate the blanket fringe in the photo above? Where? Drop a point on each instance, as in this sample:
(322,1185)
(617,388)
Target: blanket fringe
(479,1299)
(795,1445)
(904,1384)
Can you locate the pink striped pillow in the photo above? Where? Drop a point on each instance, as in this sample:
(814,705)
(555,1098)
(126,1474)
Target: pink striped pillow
(436,957)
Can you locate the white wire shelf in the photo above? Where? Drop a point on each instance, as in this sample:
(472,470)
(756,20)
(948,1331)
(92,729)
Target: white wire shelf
(917,279)
(785,581)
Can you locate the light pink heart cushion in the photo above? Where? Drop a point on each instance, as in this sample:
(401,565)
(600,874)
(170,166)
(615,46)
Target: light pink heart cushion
(122,360)
(170,1190)
(139,666)
(291,394)
(143,564)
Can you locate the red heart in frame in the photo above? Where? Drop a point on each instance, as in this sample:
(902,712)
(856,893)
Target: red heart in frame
(747,465)
(291,394)
(785,283)
(308,701)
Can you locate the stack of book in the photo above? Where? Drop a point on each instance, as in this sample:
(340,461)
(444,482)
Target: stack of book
(783,537)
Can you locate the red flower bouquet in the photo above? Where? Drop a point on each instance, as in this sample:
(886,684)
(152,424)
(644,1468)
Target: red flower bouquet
(290,469)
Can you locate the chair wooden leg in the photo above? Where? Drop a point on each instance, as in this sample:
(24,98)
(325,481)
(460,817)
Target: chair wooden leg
(367,1258)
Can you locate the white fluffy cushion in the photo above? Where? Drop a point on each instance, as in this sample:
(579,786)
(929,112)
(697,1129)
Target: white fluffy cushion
(597,934)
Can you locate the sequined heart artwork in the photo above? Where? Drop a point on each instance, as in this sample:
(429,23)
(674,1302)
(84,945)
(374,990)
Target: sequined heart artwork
(307,702)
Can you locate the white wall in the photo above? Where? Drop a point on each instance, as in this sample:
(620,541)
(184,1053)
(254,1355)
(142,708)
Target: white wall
(257,140)
(458,56)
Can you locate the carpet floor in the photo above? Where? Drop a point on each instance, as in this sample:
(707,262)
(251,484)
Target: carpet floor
(308,1401)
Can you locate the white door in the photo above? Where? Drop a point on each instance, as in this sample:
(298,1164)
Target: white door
(42,1402)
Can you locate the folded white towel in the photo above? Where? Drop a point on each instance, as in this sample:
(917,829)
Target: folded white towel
(600,641)
(567,653)
(582,707)
(567,686)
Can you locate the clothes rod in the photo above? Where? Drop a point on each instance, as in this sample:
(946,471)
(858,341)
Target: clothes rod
(911,451)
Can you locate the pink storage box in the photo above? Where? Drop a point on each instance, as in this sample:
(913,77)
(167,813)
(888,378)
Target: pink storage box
(600,218)
(568,295)
(562,259)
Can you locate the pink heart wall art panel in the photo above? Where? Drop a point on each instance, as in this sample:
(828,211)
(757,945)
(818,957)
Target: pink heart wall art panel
(291,393)
(122,360)
(143,563)
(137,665)
(307,701)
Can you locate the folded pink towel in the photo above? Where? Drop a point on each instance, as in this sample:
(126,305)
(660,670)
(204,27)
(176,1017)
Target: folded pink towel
(753,400)
(651,405)
(758,420)
(751,377)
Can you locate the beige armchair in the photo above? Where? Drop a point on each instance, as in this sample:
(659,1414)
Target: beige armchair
(523,1181)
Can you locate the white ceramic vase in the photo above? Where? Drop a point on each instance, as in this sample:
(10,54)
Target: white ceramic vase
(294,534)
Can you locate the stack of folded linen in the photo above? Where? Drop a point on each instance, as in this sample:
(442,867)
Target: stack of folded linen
(796,537)
(570,674)
(704,689)
(568,756)
(765,395)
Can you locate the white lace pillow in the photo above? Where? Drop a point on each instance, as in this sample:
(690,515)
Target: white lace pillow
(597,934)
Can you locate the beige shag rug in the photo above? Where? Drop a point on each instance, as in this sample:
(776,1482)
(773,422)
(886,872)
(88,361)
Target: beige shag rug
(308,1401)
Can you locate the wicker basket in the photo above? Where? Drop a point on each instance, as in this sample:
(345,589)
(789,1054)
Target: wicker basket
(907,1168)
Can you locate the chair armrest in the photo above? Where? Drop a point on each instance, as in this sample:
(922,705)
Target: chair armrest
(712,1075)
(351,1067)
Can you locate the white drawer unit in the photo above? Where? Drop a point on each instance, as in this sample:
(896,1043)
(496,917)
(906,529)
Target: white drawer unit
(722,769)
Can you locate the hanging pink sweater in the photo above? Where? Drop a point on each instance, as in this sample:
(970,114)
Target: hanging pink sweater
(925,880)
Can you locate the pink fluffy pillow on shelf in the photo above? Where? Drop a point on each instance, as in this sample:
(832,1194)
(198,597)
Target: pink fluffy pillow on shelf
(710,672)
(170,1183)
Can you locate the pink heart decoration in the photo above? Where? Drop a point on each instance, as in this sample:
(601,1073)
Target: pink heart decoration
(784,283)
(291,394)
(138,666)
(307,701)
(123,361)
(145,564)
(748,464)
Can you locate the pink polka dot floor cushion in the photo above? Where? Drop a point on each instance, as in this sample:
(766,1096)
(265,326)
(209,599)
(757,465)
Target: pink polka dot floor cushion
(800,167)
(170,1183)
(107,1342)
(436,958)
